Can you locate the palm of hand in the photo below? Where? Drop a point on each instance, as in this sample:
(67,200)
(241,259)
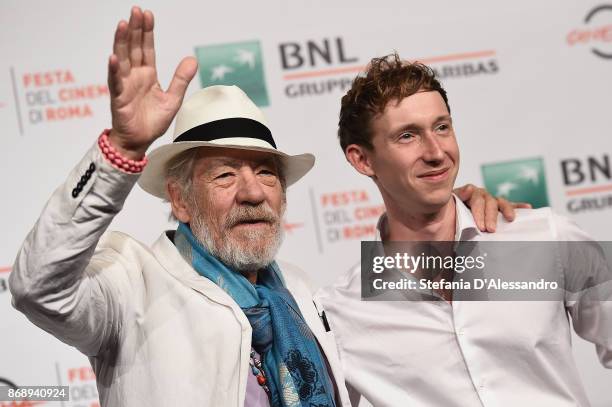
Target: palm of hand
(141,110)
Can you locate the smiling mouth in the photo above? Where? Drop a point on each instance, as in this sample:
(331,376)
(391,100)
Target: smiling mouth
(437,175)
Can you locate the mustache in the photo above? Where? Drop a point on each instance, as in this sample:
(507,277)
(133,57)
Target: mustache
(247,213)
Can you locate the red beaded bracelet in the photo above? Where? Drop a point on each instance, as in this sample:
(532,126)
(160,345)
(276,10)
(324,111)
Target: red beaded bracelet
(116,159)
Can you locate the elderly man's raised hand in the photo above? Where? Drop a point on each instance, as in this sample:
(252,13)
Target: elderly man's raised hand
(141,110)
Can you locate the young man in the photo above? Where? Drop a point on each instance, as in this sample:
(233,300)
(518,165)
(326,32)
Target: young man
(396,128)
(206,316)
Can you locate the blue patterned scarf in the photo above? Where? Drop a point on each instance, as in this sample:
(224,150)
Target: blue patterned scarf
(294,366)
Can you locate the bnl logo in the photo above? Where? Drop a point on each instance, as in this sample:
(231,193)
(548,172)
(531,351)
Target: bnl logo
(312,54)
(239,64)
(520,180)
(589,170)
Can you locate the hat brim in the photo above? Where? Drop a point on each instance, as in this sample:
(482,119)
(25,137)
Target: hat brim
(153,177)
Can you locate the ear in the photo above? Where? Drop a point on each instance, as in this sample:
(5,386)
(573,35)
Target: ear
(180,210)
(360,158)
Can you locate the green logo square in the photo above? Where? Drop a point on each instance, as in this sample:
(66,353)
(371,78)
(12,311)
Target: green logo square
(239,64)
(520,180)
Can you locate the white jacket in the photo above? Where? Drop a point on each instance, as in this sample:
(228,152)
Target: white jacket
(156,332)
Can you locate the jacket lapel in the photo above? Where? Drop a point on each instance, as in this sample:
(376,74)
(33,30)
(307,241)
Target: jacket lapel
(170,259)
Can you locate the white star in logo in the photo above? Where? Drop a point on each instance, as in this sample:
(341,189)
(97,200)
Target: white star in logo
(246,57)
(530,174)
(504,188)
(219,71)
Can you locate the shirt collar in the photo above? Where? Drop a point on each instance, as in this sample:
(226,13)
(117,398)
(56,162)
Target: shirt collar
(465,226)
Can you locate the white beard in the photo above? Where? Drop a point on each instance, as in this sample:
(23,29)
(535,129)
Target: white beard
(260,248)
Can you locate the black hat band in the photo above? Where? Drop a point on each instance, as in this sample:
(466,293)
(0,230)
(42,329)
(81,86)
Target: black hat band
(227,128)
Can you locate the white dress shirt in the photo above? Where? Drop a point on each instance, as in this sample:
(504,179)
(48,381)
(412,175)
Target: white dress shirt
(464,354)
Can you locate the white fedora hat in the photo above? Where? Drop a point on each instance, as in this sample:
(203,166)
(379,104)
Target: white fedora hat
(219,116)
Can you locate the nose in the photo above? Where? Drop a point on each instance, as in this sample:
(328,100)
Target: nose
(250,190)
(432,149)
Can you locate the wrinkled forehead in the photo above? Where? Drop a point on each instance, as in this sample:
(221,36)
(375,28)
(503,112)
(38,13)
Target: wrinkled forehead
(216,157)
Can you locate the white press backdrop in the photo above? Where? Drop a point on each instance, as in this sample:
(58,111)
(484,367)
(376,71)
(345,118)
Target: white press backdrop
(526,80)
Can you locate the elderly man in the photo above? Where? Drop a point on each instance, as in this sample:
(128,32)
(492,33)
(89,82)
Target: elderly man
(396,128)
(205,317)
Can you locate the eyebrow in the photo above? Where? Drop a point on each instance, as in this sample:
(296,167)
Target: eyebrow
(413,126)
